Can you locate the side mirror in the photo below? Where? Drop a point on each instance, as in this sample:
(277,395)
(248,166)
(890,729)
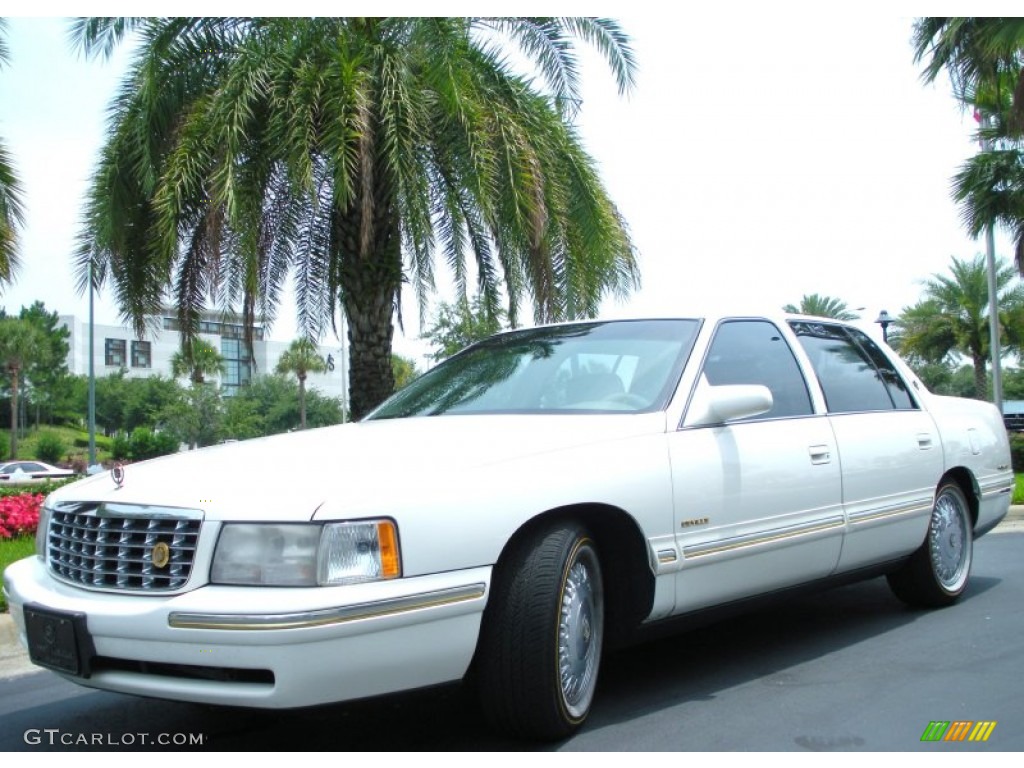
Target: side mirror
(717,405)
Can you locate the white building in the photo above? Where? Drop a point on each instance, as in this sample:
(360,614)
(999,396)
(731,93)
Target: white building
(116,347)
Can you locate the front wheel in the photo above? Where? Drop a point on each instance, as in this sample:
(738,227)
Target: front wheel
(540,645)
(937,574)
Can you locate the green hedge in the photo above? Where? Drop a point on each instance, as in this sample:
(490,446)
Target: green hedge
(43,488)
(1017,452)
(102,442)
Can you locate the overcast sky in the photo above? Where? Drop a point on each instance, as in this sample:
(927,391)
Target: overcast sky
(759,159)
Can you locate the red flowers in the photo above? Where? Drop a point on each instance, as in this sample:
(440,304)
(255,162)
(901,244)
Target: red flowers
(19,515)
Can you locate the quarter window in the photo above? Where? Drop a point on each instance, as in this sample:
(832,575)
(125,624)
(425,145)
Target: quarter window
(754,352)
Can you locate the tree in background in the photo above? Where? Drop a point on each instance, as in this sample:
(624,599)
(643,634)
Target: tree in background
(124,404)
(952,318)
(301,358)
(12,215)
(194,418)
(19,344)
(49,367)
(456,326)
(350,152)
(405,370)
(47,371)
(269,405)
(822,306)
(196,361)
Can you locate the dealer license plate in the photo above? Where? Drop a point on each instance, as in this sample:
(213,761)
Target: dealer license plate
(58,641)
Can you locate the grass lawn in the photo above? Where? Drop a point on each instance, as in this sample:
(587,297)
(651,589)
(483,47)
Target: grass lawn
(11,550)
(1018,490)
(69,435)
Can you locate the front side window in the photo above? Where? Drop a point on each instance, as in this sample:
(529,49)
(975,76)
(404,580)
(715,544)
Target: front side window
(754,352)
(854,377)
(616,367)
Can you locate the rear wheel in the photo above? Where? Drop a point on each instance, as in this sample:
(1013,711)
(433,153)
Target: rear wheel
(937,574)
(540,646)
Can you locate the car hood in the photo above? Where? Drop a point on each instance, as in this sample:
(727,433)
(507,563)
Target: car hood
(355,466)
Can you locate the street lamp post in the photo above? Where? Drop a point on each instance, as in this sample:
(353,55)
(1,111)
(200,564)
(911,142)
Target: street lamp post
(92,379)
(885,320)
(993,291)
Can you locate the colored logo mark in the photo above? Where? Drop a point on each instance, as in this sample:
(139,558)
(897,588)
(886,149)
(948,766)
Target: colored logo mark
(958,730)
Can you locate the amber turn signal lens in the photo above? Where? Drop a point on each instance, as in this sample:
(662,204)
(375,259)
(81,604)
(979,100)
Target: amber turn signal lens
(390,562)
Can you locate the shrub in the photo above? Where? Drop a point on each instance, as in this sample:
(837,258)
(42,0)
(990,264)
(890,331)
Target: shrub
(1017,452)
(120,447)
(49,447)
(146,444)
(19,515)
(142,444)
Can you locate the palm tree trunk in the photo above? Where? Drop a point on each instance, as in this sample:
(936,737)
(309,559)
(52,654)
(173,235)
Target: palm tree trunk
(980,379)
(370,284)
(302,402)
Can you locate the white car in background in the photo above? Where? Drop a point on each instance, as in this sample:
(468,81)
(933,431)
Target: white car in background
(511,514)
(28,472)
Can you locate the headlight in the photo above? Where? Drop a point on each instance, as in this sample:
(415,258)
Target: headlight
(306,555)
(43,530)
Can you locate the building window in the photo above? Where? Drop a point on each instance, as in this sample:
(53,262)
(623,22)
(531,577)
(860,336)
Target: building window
(141,355)
(237,365)
(114,352)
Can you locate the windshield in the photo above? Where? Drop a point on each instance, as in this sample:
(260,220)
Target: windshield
(625,367)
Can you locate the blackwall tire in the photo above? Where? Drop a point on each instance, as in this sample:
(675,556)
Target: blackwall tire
(543,632)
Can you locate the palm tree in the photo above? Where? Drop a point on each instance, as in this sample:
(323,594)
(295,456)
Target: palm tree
(953,317)
(197,361)
(347,152)
(12,216)
(981,56)
(984,58)
(990,190)
(20,343)
(301,358)
(821,306)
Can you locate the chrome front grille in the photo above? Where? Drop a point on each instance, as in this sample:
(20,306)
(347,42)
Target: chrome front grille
(122,547)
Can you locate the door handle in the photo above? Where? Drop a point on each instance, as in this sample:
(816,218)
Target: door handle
(820,454)
(924,441)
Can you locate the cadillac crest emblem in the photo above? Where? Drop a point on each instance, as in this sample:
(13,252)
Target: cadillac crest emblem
(117,473)
(161,554)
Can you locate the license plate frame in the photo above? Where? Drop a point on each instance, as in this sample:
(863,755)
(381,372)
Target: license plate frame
(59,640)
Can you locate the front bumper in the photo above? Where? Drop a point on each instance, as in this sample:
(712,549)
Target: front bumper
(269,647)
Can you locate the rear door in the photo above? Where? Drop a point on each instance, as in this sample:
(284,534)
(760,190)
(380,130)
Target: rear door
(888,446)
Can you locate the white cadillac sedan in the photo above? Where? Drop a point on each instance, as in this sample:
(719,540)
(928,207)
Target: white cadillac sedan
(511,514)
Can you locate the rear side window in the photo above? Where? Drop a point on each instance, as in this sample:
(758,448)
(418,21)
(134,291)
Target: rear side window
(854,373)
(754,352)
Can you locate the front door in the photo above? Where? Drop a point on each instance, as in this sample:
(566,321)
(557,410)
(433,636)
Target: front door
(758,502)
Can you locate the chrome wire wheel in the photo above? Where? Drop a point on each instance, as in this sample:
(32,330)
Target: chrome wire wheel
(936,574)
(580,631)
(949,544)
